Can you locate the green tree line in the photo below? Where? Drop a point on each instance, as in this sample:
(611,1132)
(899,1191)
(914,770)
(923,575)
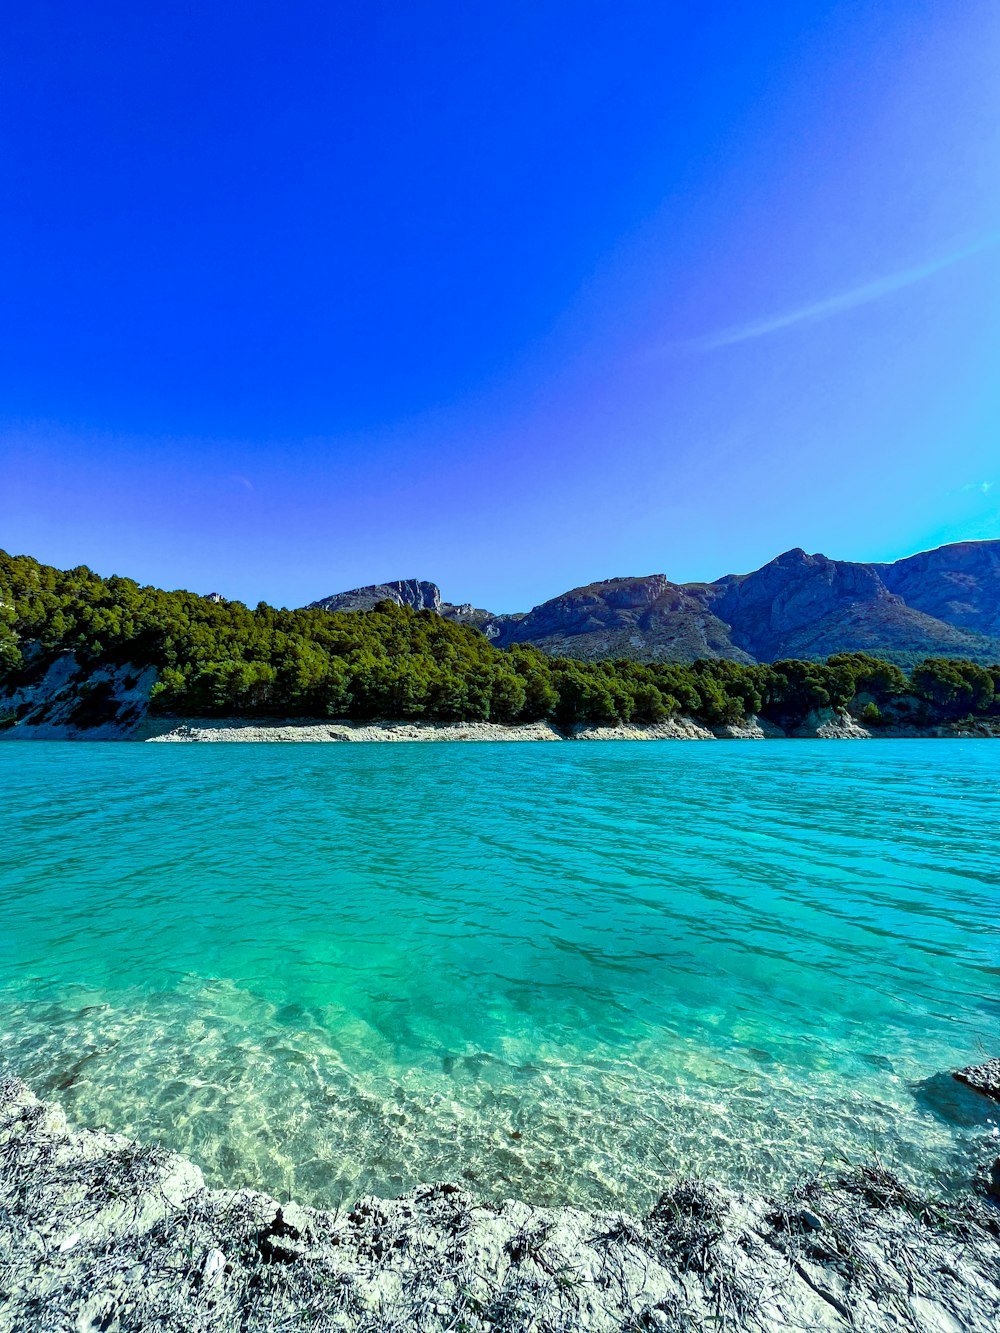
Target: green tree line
(224,658)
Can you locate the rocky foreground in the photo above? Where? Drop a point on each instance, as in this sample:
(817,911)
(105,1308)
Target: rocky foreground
(100,1233)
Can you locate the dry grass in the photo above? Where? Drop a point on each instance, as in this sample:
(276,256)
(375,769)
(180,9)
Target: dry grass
(859,1250)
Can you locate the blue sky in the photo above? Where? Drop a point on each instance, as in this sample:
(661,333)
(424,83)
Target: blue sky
(512,297)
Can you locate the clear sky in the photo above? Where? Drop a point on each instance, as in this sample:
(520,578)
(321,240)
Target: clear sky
(509,296)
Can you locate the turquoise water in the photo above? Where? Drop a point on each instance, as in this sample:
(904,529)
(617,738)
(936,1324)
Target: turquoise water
(563,972)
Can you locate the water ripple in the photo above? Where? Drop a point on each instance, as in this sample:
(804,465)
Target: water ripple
(556,971)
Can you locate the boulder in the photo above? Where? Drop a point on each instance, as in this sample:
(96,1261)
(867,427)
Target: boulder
(984,1078)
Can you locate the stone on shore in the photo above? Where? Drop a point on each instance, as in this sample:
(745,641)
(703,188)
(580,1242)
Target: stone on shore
(153,1248)
(984,1078)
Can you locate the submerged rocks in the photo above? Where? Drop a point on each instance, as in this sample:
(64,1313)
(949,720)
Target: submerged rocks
(154,1249)
(984,1078)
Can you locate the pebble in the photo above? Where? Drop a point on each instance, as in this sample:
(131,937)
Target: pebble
(293,1216)
(810,1220)
(213,1268)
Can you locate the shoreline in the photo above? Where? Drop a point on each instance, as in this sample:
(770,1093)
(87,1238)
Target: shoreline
(68,701)
(102,1233)
(827,725)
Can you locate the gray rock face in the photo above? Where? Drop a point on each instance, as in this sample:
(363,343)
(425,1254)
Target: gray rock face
(825,724)
(646,619)
(959,584)
(492,626)
(809,606)
(56,697)
(793,593)
(417,593)
(421,596)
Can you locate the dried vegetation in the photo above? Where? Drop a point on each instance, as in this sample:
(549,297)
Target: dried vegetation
(100,1235)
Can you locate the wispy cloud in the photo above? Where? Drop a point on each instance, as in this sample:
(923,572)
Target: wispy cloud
(836,305)
(983,487)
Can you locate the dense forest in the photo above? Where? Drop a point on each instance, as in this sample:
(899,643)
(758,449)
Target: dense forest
(216,657)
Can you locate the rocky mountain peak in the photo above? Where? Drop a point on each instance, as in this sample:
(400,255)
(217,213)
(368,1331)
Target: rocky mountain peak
(795,556)
(419,594)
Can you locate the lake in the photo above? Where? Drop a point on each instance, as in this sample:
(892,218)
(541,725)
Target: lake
(566,972)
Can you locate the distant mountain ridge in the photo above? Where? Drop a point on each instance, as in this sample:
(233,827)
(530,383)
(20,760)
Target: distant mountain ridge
(944,602)
(417,593)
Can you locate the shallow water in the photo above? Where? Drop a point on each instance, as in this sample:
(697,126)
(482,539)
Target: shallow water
(564,972)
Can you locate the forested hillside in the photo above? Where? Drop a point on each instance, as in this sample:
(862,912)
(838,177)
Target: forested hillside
(216,658)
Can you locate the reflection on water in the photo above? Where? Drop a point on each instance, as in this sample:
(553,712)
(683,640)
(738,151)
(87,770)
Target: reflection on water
(559,972)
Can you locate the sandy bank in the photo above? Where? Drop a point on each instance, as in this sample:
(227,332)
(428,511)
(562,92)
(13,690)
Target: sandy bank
(98,1233)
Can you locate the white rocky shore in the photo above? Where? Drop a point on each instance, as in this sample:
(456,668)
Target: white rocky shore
(243,729)
(293,729)
(825,725)
(101,1235)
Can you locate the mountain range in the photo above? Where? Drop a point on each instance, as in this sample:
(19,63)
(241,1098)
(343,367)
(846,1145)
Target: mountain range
(944,602)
